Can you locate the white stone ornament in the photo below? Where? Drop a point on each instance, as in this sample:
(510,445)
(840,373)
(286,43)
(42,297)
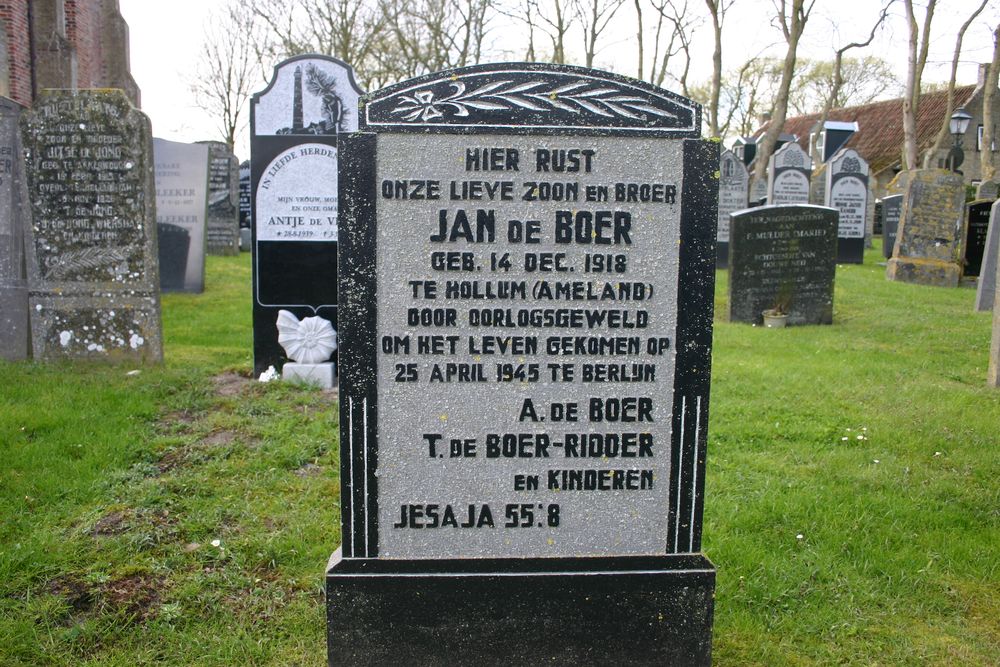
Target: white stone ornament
(308,341)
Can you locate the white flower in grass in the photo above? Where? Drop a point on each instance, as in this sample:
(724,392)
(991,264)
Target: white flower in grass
(309,341)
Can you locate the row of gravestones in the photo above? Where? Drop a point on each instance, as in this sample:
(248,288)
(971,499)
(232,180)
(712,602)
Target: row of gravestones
(80,268)
(841,184)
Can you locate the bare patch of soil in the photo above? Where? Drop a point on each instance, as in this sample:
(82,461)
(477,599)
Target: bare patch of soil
(230,384)
(112,523)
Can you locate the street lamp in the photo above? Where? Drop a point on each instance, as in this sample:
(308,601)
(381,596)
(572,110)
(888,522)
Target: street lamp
(957,125)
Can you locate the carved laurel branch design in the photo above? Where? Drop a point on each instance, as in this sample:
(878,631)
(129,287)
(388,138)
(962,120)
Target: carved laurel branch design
(74,261)
(577,97)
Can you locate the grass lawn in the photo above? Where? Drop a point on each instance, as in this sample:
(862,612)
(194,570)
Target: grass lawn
(183,515)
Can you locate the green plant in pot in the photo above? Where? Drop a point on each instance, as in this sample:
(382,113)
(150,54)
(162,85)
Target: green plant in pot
(776,316)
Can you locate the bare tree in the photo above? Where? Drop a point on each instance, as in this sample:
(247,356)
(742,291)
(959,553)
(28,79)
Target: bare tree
(918,43)
(717,11)
(986,158)
(226,73)
(594,16)
(792,16)
(838,67)
(950,103)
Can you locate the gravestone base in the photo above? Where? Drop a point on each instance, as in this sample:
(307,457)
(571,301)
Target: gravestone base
(850,250)
(721,255)
(924,271)
(636,610)
(316,375)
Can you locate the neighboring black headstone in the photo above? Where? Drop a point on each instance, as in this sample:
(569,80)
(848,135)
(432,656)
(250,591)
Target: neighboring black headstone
(527,268)
(733,181)
(977,222)
(877,222)
(294,126)
(789,171)
(222,229)
(784,258)
(92,270)
(181,172)
(14,331)
(847,192)
(891,208)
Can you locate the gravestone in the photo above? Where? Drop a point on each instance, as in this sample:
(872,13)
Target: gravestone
(733,179)
(223,224)
(14,332)
(986,286)
(993,370)
(977,222)
(987,190)
(91,245)
(246,223)
(294,128)
(789,171)
(847,192)
(892,206)
(877,218)
(783,257)
(929,236)
(522,247)
(758,193)
(181,214)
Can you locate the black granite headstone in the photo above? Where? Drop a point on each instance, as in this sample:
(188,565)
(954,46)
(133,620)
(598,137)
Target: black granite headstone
(783,257)
(877,222)
(977,223)
(294,128)
(847,191)
(891,208)
(91,247)
(526,289)
(246,219)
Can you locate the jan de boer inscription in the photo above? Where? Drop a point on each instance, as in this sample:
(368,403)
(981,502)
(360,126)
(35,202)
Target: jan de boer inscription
(92,266)
(527,264)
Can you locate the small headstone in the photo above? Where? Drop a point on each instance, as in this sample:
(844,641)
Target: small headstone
(758,193)
(929,238)
(892,206)
(245,214)
(987,190)
(294,128)
(783,258)
(92,270)
(986,287)
(733,179)
(560,259)
(847,192)
(181,214)
(222,229)
(877,223)
(14,331)
(789,171)
(977,222)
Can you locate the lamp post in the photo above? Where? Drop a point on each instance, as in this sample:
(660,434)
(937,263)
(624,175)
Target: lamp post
(957,125)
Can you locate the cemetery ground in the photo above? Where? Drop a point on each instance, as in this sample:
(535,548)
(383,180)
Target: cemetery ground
(183,514)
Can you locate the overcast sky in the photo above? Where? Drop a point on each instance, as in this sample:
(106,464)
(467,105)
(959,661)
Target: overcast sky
(166,41)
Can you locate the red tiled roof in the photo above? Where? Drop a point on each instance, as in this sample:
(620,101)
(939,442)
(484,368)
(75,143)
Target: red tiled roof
(879,138)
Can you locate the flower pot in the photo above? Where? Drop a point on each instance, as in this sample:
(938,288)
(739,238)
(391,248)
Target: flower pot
(773,320)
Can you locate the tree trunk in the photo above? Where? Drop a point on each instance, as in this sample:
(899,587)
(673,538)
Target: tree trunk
(915,67)
(716,9)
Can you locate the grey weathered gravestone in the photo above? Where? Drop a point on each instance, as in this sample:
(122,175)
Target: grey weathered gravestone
(222,227)
(758,192)
(733,180)
(847,192)
(892,206)
(977,222)
(789,170)
(92,269)
(986,287)
(519,241)
(14,331)
(245,207)
(987,190)
(294,128)
(993,372)
(929,238)
(783,257)
(181,214)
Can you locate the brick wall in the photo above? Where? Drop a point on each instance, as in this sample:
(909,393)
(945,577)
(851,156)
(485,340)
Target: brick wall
(81,43)
(14,16)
